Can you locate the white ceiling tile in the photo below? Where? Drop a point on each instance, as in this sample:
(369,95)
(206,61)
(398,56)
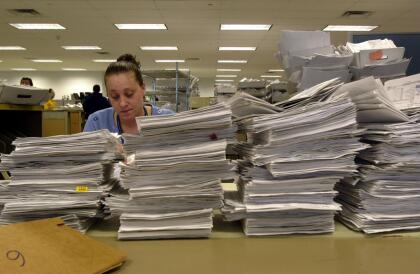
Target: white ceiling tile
(193,26)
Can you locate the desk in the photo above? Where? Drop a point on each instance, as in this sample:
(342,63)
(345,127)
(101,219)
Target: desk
(34,121)
(228,251)
(59,122)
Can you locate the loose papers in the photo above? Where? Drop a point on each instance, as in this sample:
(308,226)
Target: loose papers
(309,58)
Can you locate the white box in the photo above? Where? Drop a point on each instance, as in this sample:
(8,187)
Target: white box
(371,57)
(23,95)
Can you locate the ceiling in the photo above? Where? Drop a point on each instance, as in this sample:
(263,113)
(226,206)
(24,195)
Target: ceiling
(193,26)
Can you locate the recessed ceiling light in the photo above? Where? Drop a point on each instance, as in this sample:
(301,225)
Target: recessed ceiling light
(74,69)
(169,61)
(104,60)
(47,61)
(237,48)
(141,26)
(180,69)
(244,27)
(23,69)
(275,70)
(158,48)
(349,28)
(233,61)
(228,69)
(82,48)
(227,75)
(12,48)
(224,80)
(271,76)
(36,26)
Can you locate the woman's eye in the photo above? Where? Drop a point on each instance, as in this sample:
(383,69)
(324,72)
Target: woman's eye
(114,97)
(129,94)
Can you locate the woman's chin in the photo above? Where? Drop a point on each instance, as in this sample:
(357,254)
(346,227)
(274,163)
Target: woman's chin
(127,116)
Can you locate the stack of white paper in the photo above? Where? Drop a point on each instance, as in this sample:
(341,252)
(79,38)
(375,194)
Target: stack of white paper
(317,93)
(243,105)
(254,87)
(373,106)
(277,90)
(404,92)
(386,196)
(293,160)
(379,58)
(309,58)
(59,176)
(223,92)
(173,182)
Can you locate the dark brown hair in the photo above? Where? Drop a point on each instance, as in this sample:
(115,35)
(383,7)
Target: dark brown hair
(125,63)
(27,79)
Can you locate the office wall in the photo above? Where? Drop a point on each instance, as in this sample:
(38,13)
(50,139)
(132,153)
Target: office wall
(62,82)
(68,82)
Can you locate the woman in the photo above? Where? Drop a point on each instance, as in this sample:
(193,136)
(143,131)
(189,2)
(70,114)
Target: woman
(125,88)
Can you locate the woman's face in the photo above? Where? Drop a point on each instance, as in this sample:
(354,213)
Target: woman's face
(125,95)
(25,82)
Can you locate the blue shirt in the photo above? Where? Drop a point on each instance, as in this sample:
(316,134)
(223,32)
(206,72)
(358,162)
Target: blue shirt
(107,118)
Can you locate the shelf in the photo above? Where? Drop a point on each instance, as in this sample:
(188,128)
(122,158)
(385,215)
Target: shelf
(165,74)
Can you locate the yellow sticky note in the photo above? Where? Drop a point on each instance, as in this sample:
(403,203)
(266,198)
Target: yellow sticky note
(82,188)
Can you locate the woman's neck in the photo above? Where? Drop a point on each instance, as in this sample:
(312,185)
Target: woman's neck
(129,127)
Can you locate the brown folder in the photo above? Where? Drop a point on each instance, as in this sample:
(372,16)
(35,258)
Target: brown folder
(48,246)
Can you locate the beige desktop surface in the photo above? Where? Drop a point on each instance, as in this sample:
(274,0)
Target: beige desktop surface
(228,251)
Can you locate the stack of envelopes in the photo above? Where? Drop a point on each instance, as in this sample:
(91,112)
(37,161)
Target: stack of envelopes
(292,161)
(64,176)
(386,195)
(173,182)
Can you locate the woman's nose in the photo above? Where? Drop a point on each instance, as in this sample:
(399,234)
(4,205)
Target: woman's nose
(123,102)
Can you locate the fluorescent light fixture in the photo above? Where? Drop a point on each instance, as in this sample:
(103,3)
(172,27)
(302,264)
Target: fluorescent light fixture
(228,69)
(23,69)
(271,76)
(82,48)
(158,48)
(47,61)
(224,80)
(141,26)
(227,75)
(36,26)
(104,60)
(349,28)
(275,70)
(233,61)
(170,61)
(74,69)
(244,27)
(237,48)
(180,69)
(11,48)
